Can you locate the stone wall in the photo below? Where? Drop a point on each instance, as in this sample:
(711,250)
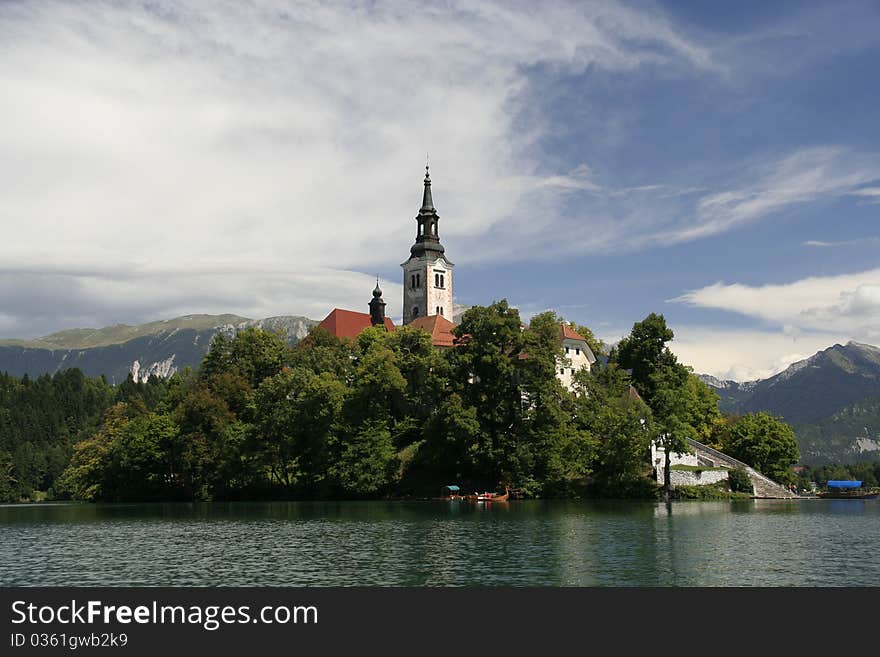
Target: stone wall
(696,477)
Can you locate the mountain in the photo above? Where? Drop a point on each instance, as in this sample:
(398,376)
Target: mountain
(811,389)
(160,348)
(827,398)
(850,435)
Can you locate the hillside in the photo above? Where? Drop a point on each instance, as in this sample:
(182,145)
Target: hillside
(826,398)
(850,435)
(160,348)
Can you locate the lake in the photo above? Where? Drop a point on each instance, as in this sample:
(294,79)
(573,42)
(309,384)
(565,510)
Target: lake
(522,543)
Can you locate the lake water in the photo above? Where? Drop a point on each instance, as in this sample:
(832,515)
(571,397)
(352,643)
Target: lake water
(546,543)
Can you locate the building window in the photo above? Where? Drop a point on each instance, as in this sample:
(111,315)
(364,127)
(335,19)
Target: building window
(577,351)
(439,279)
(566,350)
(441,310)
(415,311)
(418,280)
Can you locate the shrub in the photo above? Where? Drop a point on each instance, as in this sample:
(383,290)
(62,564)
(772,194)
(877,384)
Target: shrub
(739,481)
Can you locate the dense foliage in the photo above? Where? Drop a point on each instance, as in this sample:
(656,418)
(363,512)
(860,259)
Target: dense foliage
(385,415)
(763,441)
(41,419)
(867,473)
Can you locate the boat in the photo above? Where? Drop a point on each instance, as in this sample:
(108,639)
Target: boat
(451,493)
(490,497)
(840,489)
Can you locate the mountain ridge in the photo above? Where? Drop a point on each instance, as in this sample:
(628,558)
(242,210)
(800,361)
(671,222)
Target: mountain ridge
(156,348)
(826,398)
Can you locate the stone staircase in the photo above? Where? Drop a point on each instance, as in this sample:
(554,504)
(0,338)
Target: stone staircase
(764,487)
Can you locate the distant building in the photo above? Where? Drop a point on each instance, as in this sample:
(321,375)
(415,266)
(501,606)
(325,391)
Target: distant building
(439,327)
(348,324)
(427,298)
(427,287)
(577,355)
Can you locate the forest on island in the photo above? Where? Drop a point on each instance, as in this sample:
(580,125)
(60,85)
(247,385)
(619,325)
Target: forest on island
(387,415)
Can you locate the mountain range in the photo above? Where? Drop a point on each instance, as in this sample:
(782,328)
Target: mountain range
(159,348)
(831,399)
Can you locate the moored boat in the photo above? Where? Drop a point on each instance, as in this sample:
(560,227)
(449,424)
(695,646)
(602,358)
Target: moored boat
(490,497)
(839,489)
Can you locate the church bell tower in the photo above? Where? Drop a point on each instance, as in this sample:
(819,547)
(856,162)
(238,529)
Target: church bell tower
(427,275)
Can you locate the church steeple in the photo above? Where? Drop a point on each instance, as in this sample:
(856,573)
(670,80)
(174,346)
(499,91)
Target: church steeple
(377,307)
(427,274)
(427,235)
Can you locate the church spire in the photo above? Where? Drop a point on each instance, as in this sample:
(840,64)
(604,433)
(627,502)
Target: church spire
(427,235)
(377,307)
(427,201)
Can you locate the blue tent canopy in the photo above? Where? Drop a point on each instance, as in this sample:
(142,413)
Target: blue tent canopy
(839,483)
(451,487)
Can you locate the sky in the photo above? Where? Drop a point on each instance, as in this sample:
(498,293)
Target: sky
(718,163)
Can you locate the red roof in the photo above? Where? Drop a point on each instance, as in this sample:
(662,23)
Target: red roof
(438,326)
(349,324)
(569,333)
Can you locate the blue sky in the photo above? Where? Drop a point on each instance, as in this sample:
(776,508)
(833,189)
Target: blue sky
(715,162)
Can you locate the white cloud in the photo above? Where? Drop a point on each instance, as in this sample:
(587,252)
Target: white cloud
(151,142)
(803,176)
(606,217)
(745,355)
(847,304)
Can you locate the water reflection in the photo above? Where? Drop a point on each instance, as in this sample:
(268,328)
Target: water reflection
(751,542)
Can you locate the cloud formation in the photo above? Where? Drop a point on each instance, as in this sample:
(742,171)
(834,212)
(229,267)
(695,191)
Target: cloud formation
(164,142)
(743,354)
(847,304)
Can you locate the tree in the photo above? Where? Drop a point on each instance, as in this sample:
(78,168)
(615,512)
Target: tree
(367,461)
(253,353)
(297,417)
(739,481)
(8,488)
(597,346)
(620,425)
(485,374)
(764,442)
(680,406)
(559,453)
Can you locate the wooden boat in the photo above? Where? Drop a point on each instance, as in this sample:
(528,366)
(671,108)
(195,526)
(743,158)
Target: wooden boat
(839,489)
(490,497)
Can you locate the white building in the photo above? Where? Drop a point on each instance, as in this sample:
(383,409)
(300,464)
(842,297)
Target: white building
(577,356)
(427,275)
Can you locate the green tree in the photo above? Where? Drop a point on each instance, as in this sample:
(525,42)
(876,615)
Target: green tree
(252,353)
(367,462)
(321,352)
(485,374)
(764,442)
(8,488)
(597,346)
(620,424)
(680,405)
(739,481)
(557,452)
(297,417)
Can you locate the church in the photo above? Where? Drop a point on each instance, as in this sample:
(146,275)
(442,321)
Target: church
(427,297)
